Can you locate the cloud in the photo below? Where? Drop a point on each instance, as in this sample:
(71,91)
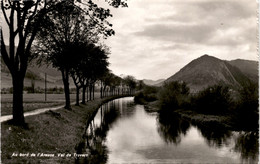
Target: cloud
(178,33)
(154,39)
(201,22)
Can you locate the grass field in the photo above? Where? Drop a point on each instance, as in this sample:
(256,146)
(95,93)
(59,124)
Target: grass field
(35,101)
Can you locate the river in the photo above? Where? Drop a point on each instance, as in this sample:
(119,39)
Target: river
(123,132)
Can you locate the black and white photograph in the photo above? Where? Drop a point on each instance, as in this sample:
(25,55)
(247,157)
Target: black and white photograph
(129,81)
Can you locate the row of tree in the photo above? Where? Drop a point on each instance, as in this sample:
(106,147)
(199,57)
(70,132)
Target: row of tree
(64,33)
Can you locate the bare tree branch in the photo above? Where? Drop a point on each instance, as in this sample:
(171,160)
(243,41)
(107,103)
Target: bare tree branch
(5,16)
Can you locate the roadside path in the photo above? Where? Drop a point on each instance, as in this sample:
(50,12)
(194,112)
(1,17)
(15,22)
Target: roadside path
(30,113)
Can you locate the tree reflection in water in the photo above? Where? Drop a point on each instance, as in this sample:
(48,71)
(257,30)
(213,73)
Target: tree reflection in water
(215,135)
(247,144)
(95,136)
(172,128)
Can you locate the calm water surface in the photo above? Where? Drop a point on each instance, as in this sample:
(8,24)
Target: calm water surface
(123,132)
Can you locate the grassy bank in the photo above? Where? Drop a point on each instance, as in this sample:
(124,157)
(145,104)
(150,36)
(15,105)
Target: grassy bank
(152,106)
(7,108)
(221,121)
(193,116)
(213,121)
(47,134)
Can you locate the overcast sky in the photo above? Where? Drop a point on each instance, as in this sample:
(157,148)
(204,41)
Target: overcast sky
(156,38)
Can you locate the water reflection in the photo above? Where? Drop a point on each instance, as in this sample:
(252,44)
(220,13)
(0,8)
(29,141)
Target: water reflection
(126,108)
(172,128)
(123,132)
(95,135)
(247,144)
(215,136)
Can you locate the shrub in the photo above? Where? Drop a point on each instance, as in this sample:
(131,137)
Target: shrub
(247,109)
(148,94)
(11,90)
(5,90)
(139,98)
(213,100)
(29,89)
(174,95)
(150,90)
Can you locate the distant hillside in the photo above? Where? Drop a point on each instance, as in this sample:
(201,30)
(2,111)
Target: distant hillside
(207,70)
(248,67)
(53,76)
(152,82)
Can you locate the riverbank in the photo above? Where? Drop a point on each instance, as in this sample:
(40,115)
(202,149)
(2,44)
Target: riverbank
(214,121)
(50,137)
(152,106)
(228,122)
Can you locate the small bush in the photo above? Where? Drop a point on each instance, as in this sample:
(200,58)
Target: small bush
(139,98)
(247,110)
(174,95)
(148,94)
(213,100)
(150,90)
(11,90)
(29,89)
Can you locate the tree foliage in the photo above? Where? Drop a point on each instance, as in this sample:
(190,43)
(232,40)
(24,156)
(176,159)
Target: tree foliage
(130,81)
(173,95)
(213,100)
(23,17)
(18,16)
(68,41)
(248,106)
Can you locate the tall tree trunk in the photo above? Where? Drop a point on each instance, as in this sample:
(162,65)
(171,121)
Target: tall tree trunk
(65,79)
(101,96)
(77,96)
(87,93)
(90,90)
(18,117)
(93,91)
(83,94)
(104,91)
(78,86)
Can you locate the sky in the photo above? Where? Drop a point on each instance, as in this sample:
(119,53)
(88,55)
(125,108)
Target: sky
(155,38)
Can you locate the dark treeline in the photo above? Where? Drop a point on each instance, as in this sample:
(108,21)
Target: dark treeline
(65,34)
(240,107)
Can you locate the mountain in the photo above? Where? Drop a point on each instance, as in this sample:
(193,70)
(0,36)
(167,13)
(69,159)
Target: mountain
(248,67)
(208,70)
(53,76)
(152,82)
